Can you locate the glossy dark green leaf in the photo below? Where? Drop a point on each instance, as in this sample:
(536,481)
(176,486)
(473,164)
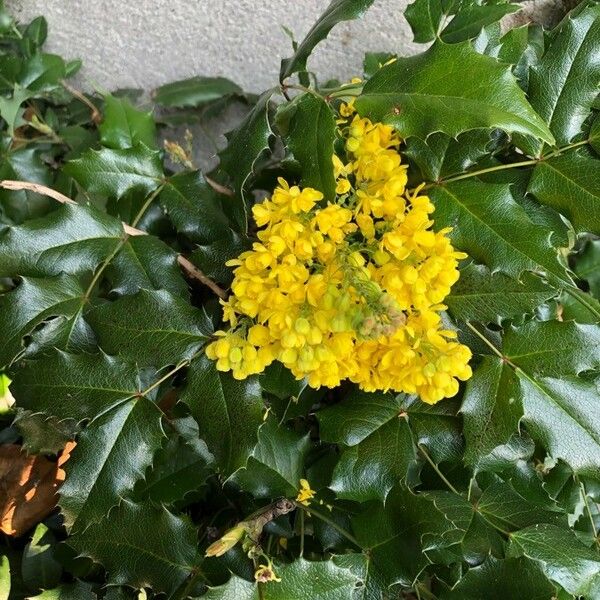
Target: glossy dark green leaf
(37,31)
(141,545)
(587,266)
(500,579)
(153,328)
(235,589)
(43,72)
(337,11)
(276,464)
(114,173)
(39,568)
(310,135)
(522,47)
(485,297)
(595,135)
(421,94)
(102,468)
(558,90)
(196,91)
(33,302)
(88,384)
(570,184)
(78,590)
(425,18)
(228,412)
(10,108)
(562,557)
(125,126)
(72,239)
(42,434)
(469,21)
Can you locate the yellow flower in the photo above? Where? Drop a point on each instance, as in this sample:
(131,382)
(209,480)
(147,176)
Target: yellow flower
(305,494)
(266,573)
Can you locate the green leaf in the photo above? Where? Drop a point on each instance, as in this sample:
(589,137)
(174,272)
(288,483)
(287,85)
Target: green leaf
(88,384)
(114,173)
(153,328)
(103,468)
(501,579)
(42,434)
(310,135)
(43,72)
(570,184)
(563,86)
(4,578)
(492,228)
(72,239)
(424,18)
(124,126)
(10,108)
(228,412)
(522,47)
(562,557)
(39,568)
(276,464)
(595,135)
(33,302)
(422,94)
(78,590)
(587,266)
(235,589)
(141,545)
(380,449)
(196,91)
(482,296)
(469,21)
(337,11)
(246,145)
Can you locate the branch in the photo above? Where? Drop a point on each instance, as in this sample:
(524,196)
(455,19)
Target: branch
(190,269)
(96,116)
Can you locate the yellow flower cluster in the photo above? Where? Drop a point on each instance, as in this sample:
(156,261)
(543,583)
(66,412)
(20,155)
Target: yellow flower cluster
(350,289)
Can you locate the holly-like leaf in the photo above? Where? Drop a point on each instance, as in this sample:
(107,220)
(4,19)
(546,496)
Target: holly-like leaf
(495,230)
(449,88)
(470,20)
(228,412)
(310,134)
(595,135)
(522,47)
(153,328)
(195,91)
(39,567)
(570,184)
(379,445)
(424,18)
(42,434)
(79,590)
(562,557)
(70,386)
(500,579)
(124,126)
(72,239)
(587,266)
(482,296)
(337,11)
(235,589)
(141,545)
(558,90)
(276,464)
(114,173)
(33,302)
(104,469)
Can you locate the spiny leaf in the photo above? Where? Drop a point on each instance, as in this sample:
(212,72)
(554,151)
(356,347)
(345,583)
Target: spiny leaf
(469,21)
(141,545)
(337,11)
(33,302)
(153,328)
(74,386)
(104,469)
(485,297)
(195,91)
(39,567)
(78,590)
(228,412)
(424,18)
(587,266)
(430,92)
(114,173)
(570,184)
(124,126)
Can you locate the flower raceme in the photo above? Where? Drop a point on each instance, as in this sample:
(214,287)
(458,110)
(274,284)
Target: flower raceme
(351,289)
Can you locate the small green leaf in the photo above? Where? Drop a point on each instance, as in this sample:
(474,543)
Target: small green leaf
(310,135)
(587,266)
(469,21)
(39,568)
(141,545)
(276,464)
(4,578)
(196,91)
(337,11)
(124,126)
(10,108)
(424,18)
(485,297)
(228,412)
(102,468)
(114,173)
(570,184)
(562,557)
(435,83)
(153,328)
(43,434)
(78,590)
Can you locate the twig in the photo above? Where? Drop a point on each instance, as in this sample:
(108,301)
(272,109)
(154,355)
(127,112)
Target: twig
(190,269)
(96,114)
(218,187)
